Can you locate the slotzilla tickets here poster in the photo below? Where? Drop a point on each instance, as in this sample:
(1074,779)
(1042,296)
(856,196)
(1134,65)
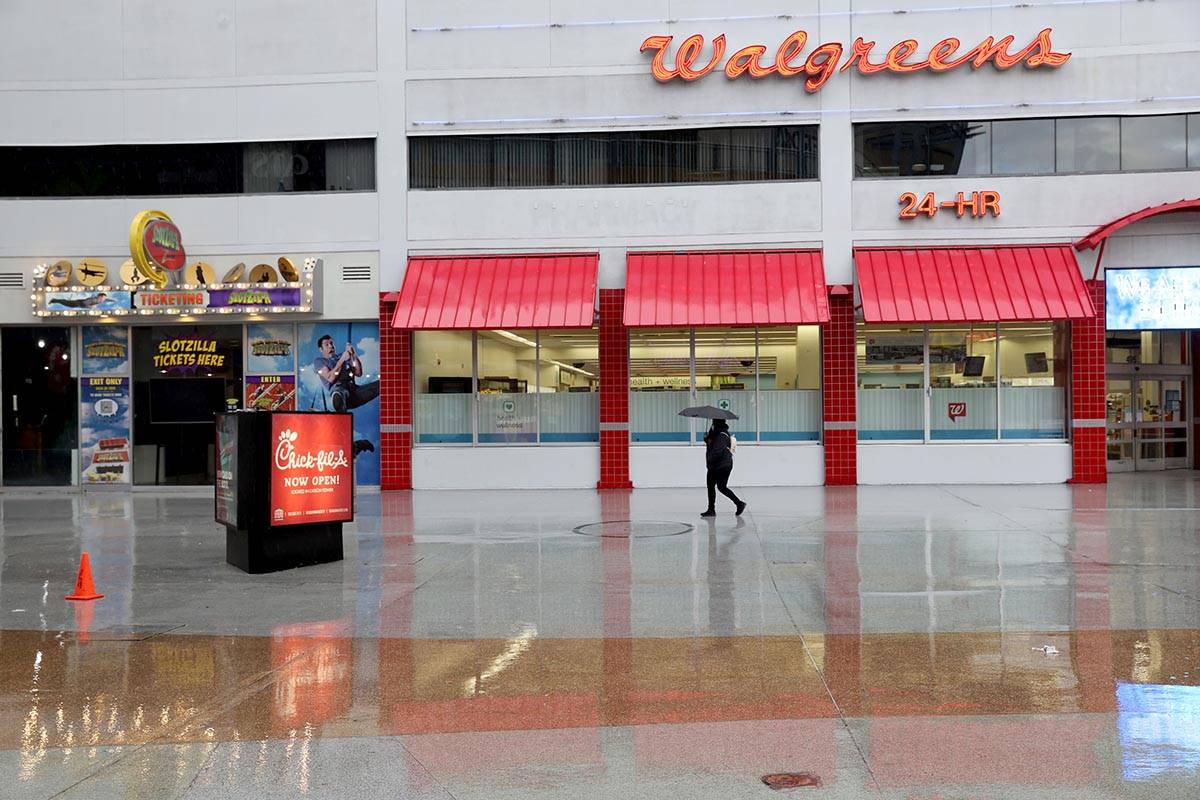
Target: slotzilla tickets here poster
(104,426)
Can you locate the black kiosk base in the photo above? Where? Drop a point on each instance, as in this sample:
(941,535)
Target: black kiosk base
(277,471)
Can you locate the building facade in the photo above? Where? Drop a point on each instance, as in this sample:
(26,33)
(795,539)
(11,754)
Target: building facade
(936,246)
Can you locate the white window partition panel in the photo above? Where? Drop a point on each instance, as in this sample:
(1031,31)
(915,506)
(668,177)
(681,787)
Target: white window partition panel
(508,418)
(893,414)
(654,416)
(444,418)
(789,416)
(962,413)
(570,417)
(1033,412)
(740,402)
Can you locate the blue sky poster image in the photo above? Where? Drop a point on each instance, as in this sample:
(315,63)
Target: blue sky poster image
(338,369)
(105,350)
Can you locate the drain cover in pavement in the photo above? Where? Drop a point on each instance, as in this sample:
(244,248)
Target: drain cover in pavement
(630,529)
(791,780)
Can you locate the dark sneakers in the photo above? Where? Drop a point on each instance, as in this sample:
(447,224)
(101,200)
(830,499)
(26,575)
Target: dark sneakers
(740,508)
(709,513)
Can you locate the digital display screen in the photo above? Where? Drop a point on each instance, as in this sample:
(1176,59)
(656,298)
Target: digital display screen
(186,400)
(312,469)
(1153,298)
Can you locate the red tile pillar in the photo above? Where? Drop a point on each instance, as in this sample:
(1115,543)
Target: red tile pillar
(1087,394)
(1195,421)
(395,400)
(614,392)
(838,390)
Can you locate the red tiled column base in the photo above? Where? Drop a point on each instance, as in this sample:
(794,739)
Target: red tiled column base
(841,458)
(614,392)
(614,460)
(1088,457)
(395,401)
(838,390)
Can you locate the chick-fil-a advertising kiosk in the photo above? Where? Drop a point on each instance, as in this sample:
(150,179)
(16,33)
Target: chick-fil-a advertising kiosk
(284,486)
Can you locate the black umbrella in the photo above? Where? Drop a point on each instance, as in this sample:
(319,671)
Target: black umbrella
(707,412)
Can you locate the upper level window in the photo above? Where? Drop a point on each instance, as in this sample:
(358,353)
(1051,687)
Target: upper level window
(139,170)
(1027,146)
(618,158)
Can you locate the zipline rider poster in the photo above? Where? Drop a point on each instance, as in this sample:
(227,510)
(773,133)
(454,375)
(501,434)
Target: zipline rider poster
(312,469)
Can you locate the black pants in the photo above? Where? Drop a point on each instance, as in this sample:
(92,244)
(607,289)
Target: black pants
(719,479)
(347,396)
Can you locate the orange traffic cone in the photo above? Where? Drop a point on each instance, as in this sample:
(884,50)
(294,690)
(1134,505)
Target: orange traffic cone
(85,589)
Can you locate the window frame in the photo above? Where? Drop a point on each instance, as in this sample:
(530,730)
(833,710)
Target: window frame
(999,437)
(625,151)
(1191,161)
(475,401)
(693,393)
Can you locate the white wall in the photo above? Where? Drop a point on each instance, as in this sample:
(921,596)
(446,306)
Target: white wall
(964,463)
(506,467)
(679,466)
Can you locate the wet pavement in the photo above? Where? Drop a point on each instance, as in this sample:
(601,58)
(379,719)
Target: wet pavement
(886,642)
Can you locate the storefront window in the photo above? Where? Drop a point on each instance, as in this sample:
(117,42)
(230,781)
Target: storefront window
(1088,144)
(41,406)
(1146,347)
(182,376)
(507,387)
(1023,147)
(891,380)
(1034,376)
(964,401)
(533,387)
(769,377)
(659,384)
(569,384)
(1154,142)
(789,383)
(1193,142)
(962,381)
(442,368)
(726,360)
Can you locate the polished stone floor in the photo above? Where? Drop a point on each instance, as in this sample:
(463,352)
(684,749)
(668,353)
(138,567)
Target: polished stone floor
(889,642)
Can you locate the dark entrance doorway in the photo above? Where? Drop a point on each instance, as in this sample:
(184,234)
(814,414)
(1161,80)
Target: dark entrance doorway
(41,406)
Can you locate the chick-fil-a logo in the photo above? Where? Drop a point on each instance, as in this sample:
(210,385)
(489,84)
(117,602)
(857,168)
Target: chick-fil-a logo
(823,61)
(287,458)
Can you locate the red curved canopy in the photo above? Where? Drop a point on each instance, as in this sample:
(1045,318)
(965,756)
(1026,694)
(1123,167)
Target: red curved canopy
(1093,239)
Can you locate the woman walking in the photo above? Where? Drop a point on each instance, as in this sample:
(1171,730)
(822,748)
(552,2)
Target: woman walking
(719,456)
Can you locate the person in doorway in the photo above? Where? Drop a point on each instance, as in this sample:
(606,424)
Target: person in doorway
(719,457)
(338,373)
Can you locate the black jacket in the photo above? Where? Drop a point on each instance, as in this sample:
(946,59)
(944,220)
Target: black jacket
(718,454)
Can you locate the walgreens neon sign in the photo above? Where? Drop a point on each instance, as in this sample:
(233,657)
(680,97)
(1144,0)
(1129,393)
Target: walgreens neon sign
(830,58)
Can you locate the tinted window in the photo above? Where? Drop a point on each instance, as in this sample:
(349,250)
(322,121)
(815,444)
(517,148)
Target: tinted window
(1022,146)
(1193,130)
(183,169)
(923,148)
(1088,144)
(1153,142)
(702,155)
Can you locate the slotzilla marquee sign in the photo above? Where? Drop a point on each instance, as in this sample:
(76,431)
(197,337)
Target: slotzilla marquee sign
(830,58)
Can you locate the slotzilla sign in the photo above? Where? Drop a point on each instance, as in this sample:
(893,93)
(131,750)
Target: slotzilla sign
(52,303)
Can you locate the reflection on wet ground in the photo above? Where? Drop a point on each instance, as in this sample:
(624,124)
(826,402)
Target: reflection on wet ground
(984,642)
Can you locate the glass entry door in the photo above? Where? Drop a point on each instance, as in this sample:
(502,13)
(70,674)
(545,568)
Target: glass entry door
(1147,423)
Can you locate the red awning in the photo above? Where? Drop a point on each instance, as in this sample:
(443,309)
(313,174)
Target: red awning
(971,284)
(1097,236)
(762,287)
(480,292)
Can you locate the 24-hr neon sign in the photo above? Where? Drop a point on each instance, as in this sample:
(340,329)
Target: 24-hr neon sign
(823,62)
